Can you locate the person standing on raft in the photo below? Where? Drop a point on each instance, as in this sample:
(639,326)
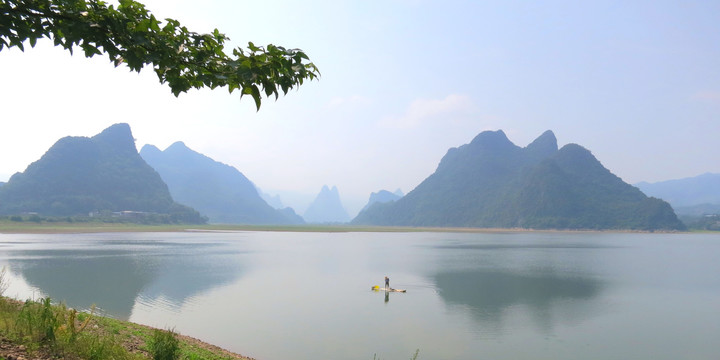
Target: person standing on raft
(387,283)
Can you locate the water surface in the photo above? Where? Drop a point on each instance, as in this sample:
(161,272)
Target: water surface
(290,295)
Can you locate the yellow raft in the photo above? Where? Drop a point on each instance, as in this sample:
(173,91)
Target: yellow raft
(377,288)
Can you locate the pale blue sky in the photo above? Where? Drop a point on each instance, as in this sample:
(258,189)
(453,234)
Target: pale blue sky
(635,82)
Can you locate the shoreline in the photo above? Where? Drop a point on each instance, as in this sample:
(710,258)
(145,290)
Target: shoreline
(134,338)
(8,227)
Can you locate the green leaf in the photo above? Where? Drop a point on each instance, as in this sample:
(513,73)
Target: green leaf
(129,33)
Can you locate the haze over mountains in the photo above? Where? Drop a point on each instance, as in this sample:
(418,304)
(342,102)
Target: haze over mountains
(81,175)
(326,208)
(697,195)
(701,189)
(383,196)
(491,182)
(218,191)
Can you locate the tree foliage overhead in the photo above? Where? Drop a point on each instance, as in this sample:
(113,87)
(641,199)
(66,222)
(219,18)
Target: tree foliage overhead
(130,34)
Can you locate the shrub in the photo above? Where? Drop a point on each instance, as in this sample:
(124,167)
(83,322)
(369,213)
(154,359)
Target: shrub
(164,345)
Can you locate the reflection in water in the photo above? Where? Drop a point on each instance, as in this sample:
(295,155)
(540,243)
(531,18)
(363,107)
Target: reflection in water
(489,293)
(114,279)
(386,293)
(110,280)
(498,278)
(523,246)
(470,296)
(181,277)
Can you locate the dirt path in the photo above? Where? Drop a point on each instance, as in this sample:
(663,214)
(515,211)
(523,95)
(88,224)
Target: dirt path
(11,351)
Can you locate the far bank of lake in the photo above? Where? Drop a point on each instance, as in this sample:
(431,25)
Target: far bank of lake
(45,227)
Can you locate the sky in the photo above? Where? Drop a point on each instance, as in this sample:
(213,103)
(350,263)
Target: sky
(635,82)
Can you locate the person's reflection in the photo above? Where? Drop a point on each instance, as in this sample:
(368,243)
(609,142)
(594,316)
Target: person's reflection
(387,296)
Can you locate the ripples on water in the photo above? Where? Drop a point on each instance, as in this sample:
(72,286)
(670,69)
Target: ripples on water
(307,295)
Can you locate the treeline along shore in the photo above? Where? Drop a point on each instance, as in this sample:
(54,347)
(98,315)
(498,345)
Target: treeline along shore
(57,227)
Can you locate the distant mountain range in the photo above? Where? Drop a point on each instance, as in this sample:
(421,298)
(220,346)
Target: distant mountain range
(272,200)
(326,208)
(491,182)
(692,196)
(81,175)
(382,196)
(218,191)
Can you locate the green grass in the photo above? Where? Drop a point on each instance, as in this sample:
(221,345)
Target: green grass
(8,226)
(43,327)
(164,345)
(57,330)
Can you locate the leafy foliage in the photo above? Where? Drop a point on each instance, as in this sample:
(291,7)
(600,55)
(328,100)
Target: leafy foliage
(130,34)
(164,345)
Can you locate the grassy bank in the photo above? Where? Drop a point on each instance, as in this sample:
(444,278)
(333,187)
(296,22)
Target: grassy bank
(42,330)
(58,227)
(8,226)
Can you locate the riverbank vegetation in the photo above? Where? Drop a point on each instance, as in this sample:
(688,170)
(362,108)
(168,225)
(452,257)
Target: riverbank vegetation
(30,224)
(40,329)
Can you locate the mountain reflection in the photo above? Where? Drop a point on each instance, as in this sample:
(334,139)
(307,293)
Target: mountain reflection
(113,279)
(489,293)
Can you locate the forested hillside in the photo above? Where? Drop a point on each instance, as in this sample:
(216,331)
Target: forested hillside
(81,175)
(218,191)
(493,183)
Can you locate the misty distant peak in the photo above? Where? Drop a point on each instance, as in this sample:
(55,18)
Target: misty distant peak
(382,196)
(578,150)
(150,153)
(218,190)
(490,142)
(545,144)
(118,136)
(491,182)
(327,208)
(328,190)
(491,137)
(150,149)
(120,130)
(79,175)
(693,191)
(178,145)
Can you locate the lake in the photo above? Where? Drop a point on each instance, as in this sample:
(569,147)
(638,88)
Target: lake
(286,295)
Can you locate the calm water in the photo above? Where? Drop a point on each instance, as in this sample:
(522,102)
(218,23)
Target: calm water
(277,296)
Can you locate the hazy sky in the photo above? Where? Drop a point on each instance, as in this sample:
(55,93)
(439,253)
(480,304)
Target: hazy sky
(635,82)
